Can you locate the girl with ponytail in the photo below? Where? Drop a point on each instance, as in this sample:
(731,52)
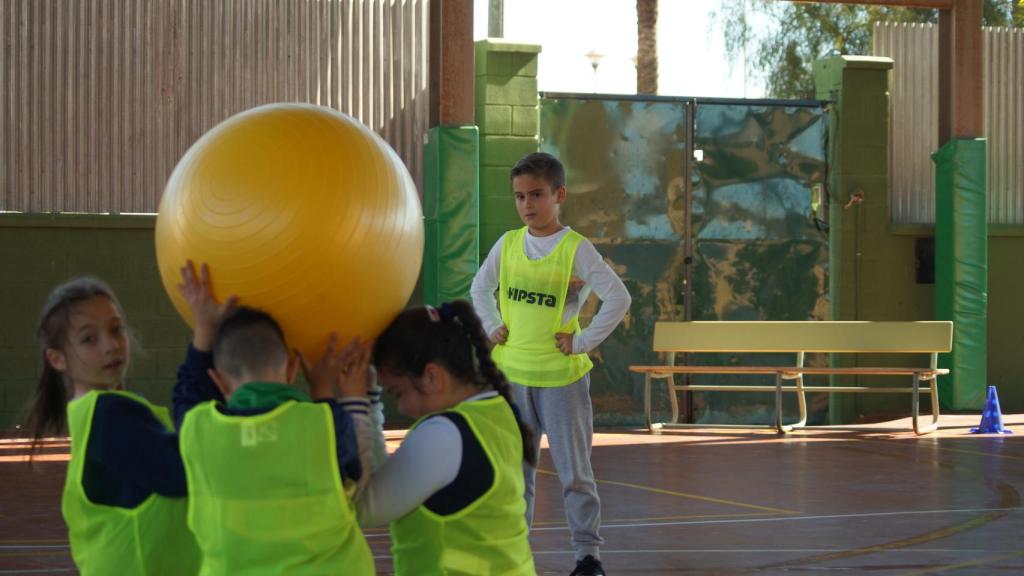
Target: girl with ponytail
(123,497)
(453,492)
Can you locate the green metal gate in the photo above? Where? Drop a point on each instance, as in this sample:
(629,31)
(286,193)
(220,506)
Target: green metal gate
(708,209)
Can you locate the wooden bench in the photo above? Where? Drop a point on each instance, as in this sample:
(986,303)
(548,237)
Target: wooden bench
(798,338)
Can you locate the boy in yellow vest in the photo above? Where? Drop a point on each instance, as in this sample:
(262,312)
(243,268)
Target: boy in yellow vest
(265,471)
(543,273)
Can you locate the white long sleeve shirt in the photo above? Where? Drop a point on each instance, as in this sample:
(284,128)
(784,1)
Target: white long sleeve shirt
(588,266)
(428,460)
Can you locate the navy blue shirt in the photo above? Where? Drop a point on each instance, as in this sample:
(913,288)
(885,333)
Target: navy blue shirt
(131,455)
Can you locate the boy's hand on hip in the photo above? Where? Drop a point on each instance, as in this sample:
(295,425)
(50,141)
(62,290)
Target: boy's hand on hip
(500,336)
(564,342)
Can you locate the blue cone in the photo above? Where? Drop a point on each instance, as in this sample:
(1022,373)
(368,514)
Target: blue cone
(991,417)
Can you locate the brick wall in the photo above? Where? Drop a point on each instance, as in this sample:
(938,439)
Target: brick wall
(507,113)
(37,252)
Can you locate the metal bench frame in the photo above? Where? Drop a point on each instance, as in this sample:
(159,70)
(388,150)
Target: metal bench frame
(722,341)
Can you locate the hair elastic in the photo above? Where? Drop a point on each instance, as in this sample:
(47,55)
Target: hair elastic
(447,312)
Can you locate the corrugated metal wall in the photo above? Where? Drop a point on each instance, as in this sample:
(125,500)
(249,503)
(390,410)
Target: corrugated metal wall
(913,120)
(1004,123)
(913,127)
(100,99)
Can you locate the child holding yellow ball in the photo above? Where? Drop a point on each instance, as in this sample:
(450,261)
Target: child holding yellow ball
(453,492)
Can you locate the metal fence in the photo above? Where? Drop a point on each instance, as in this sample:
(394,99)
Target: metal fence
(913,126)
(101,98)
(731,236)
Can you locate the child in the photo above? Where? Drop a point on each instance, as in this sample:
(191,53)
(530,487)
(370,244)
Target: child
(544,273)
(124,492)
(266,471)
(453,492)
(195,385)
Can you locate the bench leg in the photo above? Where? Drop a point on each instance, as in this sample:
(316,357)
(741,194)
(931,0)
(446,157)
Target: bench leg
(916,404)
(934,385)
(672,399)
(647,401)
(801,402)
(778,404)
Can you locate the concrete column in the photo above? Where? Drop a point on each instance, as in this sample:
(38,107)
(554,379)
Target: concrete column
(507,113)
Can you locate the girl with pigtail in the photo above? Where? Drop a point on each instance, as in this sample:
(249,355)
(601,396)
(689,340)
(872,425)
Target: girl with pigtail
(124,494)
(453,492)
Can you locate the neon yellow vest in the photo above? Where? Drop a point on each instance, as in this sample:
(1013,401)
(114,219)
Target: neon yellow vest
(531,295)
(490,535)
(150,539)
(265,496)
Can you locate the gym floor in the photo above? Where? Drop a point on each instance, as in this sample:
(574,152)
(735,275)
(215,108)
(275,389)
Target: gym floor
(867,500)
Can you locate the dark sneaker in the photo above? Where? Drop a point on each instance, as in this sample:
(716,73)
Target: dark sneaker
(588,566)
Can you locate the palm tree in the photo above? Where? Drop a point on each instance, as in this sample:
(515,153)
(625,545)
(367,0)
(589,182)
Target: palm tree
(647,46)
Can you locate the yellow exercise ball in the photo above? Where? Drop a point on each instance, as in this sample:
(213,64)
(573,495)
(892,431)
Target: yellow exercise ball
(300,211)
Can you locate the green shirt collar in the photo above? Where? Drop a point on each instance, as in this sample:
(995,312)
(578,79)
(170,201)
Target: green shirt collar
(256,395)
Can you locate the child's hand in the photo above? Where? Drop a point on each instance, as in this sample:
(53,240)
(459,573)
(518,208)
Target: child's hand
(500,336)
(206,312)
(564,342)
(355,378)
(323,376)
(575,285)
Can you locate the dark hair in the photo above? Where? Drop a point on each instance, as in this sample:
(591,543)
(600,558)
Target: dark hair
(249,342)
(543,165)
(453,338)
(48,412)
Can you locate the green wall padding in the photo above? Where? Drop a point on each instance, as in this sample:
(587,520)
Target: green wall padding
(961,269)
(451,212)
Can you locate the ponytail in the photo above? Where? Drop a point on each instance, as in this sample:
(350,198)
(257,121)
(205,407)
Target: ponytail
(48,412)
(452,337)
(49,407)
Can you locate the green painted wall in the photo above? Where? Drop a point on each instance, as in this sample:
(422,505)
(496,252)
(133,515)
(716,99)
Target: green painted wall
(873,265)
(872,271)
(1006,316)
(37,252)
(507,114)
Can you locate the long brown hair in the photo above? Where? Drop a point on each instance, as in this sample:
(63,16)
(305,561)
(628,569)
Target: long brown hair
(453,338)
(48,413)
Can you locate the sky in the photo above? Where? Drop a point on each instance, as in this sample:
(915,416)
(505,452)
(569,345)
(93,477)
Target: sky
(691,50)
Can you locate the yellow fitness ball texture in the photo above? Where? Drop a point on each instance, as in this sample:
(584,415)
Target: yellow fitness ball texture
(301,211)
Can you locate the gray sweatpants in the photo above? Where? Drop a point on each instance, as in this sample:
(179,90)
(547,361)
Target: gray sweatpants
(565,415)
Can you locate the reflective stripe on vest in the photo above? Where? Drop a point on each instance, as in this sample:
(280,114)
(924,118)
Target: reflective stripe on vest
(531,294)
(150,539)
(265,495)
(490,535)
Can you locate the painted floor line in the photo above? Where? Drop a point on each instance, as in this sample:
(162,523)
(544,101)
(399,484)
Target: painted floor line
(935,443)
(685,495)
(674,517)
(948,567)
(605,551)
(796,518)
(39,571)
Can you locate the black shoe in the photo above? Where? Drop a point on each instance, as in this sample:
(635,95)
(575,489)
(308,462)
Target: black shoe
(589,566)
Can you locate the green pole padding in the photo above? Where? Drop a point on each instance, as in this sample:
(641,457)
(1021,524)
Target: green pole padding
(451,212)
(961,269)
